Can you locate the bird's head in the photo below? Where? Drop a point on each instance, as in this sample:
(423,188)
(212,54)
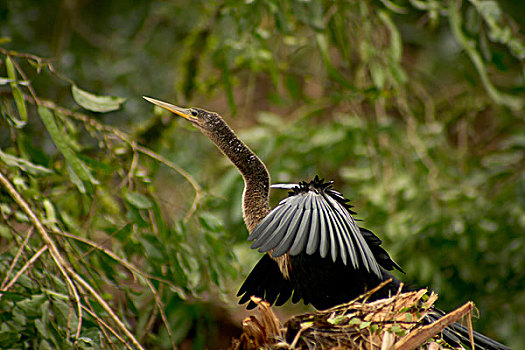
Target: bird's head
(204,120)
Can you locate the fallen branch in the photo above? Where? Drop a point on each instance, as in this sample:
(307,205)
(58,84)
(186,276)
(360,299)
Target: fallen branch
(415,339)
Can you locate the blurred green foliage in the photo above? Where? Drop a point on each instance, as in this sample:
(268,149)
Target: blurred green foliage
(415,109)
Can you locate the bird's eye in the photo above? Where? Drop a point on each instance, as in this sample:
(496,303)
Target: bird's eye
(194,113)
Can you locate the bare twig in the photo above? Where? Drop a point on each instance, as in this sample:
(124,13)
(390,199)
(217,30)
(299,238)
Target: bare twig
(134,270)
(23,269)
(106,326)
(105,306)
(65,269)
(470,331)
(134,146)
(55,254)
(15,260)
(121,261)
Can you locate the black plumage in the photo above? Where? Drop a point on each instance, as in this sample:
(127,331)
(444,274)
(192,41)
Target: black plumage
(332,259)
(321,279)
(314,249)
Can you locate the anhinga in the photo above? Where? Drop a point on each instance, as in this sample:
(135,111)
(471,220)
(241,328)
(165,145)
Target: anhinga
(314,248)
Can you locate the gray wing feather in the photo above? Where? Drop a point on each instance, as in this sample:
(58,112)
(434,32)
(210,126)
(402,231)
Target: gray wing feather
(271,224)
(330,228)
(313,241)
(325,243)
(367,257)
(278,234)
(348,233)
(302,234)
(314,222)
(289,238)
(272,219)
(341,235)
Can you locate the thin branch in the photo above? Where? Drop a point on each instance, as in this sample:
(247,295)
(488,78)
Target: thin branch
(23,269)
(187,176)
(120,260)
(24,77)
(129,177)
(64,267)
(101,321)
(135,270)
(134,146)
(15,260)
(55,254)
(104,305)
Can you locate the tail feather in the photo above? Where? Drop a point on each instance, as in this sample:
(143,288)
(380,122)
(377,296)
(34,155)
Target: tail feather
(265,281)
(457,334)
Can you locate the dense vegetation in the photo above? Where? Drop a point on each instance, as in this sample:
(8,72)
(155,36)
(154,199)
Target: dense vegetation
(122,225)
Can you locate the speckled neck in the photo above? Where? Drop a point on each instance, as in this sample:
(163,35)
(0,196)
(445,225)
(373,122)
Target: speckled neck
(255,200)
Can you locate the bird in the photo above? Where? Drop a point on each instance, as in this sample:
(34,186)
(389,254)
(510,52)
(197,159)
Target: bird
(314,250)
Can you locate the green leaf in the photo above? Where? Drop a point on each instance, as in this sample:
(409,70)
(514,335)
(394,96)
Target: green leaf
(333,72)
(42,328)
(7,339)
(397,330)
(365,324)
(5,231)
(31,306)
(307,324)
(17,123)
(210,222)
(19,317)
(96,103)
(378,74)
(51,217)
(17,93)
(86,343)
(24,164)
(138,200)
(354,321)
(76,179)
(64,314)
(337,319)
(78,170)
(396,47)
(21,217)
(44,345)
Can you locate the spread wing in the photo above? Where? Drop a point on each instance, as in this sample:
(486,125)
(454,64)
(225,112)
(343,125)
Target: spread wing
(313,221)
(266,282)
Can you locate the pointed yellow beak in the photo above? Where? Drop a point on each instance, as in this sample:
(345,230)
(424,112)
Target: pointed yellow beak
(183,112)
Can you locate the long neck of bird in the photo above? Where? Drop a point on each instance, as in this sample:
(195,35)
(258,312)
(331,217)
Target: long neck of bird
(255,199)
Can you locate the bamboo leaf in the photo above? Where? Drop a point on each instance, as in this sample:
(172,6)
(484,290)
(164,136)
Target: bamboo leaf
(24,164)
(96,103)
(78,171)
(138,200)
(17,93)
